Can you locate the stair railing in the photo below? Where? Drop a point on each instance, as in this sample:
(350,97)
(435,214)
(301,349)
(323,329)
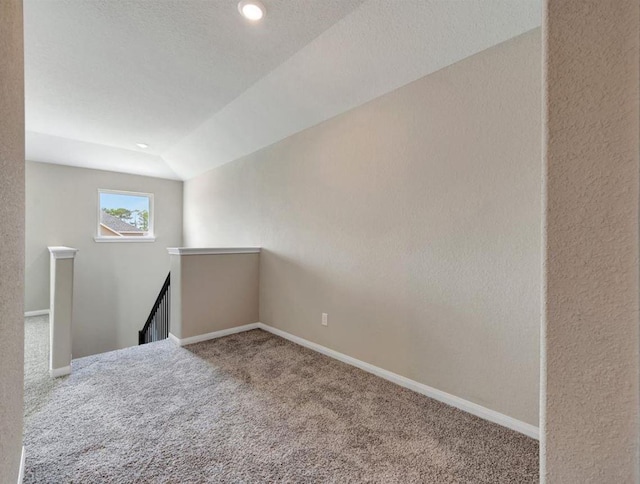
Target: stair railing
(157,326)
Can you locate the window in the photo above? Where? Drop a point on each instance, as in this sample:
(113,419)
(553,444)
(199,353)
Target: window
(125,217)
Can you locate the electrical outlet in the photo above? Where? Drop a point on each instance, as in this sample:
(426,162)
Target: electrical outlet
(325,319)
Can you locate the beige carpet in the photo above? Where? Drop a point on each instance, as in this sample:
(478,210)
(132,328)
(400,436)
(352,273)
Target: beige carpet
(253,407)
(37,383)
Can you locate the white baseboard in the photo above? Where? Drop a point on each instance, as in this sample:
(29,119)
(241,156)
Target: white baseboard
(58,372)
(40,312)
(469,407)
(444,397)
(216,334)
(21,471)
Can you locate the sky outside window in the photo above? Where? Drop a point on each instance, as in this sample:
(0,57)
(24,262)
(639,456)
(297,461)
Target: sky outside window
(118,200)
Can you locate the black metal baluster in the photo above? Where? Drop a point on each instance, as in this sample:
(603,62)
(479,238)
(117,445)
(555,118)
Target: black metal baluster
(157,325)
(164,316)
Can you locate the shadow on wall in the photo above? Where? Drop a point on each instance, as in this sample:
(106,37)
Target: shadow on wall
(97,296)
(37,287)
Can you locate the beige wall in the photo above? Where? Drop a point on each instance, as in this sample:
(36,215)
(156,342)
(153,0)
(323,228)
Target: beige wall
(61,312)
(413,221)
(213,292)
(11,238)
(115,283)
(590,344)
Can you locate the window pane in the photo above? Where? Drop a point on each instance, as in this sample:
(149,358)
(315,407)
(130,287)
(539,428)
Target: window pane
(124,215)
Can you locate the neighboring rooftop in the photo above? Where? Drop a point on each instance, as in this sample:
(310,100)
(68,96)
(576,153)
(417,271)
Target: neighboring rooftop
(117,225)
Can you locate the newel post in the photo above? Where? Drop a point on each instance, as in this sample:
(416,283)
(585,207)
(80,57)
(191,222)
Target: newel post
(61,310)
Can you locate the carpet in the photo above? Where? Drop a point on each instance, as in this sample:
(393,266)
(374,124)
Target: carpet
(37,382)
(253,407)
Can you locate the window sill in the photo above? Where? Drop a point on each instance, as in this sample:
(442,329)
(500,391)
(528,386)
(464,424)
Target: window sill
(146,238)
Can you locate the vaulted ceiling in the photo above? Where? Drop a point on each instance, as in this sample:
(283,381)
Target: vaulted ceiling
(202,86)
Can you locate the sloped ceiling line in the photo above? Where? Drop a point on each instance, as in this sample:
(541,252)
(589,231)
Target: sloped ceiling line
(357,52)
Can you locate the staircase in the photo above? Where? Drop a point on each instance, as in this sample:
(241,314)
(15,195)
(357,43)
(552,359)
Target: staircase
(157,326)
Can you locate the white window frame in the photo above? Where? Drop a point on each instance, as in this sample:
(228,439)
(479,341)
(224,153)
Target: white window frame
(150,237)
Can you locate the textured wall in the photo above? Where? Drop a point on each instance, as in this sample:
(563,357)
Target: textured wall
(214,292)
(115,283)
(590,349)
(61,313)
(413,221)
(11,238)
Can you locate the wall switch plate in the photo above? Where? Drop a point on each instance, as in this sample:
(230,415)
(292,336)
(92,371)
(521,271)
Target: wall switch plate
(325,319)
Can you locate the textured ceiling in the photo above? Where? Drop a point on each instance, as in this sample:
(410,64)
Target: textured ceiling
(202,86)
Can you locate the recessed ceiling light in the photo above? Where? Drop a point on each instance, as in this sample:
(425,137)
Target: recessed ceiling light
(144,146)
(251,9)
